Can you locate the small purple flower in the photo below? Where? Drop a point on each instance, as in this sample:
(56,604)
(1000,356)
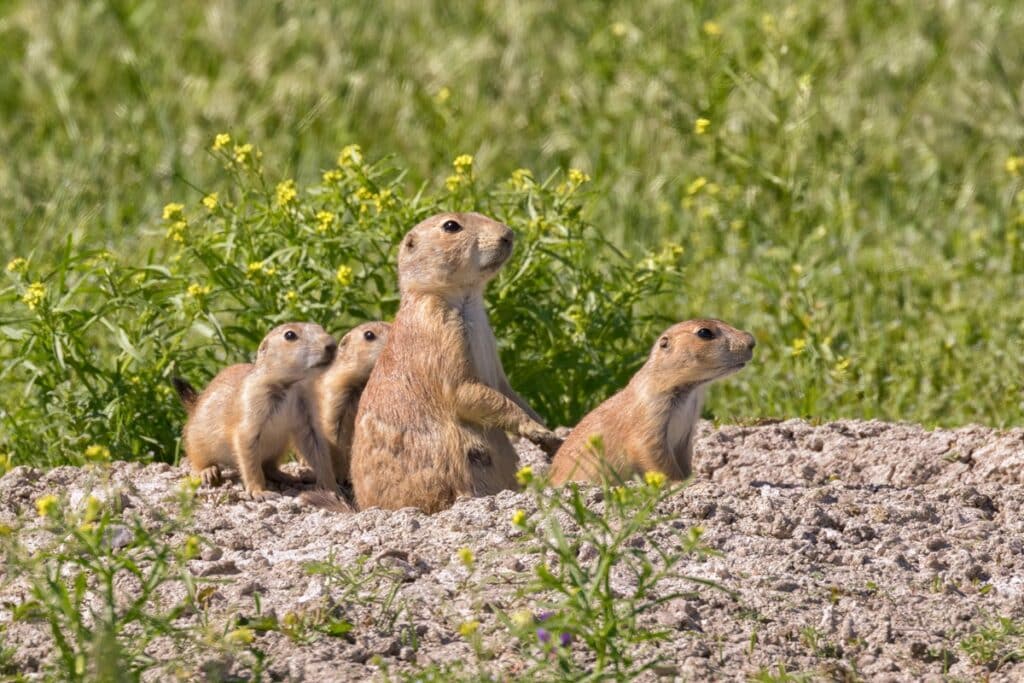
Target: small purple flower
(543,635)
(544,616)
(565,639)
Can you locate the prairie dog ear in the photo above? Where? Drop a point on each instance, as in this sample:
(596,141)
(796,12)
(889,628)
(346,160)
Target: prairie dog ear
(410,242)
(262,349)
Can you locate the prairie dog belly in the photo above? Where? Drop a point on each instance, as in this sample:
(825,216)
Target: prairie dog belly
(483,348)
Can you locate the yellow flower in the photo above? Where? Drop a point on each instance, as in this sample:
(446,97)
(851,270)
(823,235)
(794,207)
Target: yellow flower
(343,276)
(382,199)
(519,518)
(240,636)
(255,267)
(619,29)
(463,163)
(525,475)
(840,368)
(799,346)
(521,178)
(331,176)
(17,265)
(191,547)
(700,126)
(711,28)
(221,141)
(286,192)
(453,182)
(324,221)
(93,508)
(468,628)
(34,295)
(654,479)
(172,211)
(351,155)
(210,201)
(578,177)
(47,505)
(197,290)
(443,95)
(696,186)
(97,452)
(1014,165)
(291,296)
(522,618)
(176,231)
(466,557)
(243,153)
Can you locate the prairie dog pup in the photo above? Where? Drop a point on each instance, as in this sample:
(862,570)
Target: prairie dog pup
(248,414)
(649,425)
(431,423)
(333,395)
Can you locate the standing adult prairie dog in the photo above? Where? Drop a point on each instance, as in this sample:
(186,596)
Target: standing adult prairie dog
(431,423)
(333,395)
(249,414)
(649,426)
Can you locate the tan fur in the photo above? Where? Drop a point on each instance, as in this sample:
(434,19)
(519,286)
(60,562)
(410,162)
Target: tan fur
(431,423)
(249,414)
(649,425)
(333,394)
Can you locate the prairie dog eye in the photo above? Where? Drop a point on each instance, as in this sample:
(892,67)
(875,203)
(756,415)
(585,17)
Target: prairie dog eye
(290,335)
(663,342)
(705,333)
(369,336)
(451,226)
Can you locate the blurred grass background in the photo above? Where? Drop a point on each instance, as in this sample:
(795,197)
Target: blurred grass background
(845,178)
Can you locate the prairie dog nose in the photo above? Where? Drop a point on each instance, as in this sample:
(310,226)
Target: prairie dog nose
(507,237)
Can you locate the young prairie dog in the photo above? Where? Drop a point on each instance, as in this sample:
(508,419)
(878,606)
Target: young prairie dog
(333,395)
(649,426)
(431,423)
(249,414)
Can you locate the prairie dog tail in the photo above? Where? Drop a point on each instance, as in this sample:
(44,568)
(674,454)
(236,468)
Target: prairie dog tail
(186,392)
(326,500)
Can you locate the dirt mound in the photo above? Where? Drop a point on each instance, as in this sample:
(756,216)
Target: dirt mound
(855,550)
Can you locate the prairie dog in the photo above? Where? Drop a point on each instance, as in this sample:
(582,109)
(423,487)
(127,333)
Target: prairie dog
(431,423)
(649,426)
(248,415)
(333,395)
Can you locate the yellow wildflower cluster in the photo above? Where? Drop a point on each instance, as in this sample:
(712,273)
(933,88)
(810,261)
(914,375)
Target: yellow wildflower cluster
(619,29)
(522,618)
(798,346)
(574,179)
(34,295)
(655,479)
(286,192)
(1014,165)
(97,453)
(343,275)
(93,509)
(245,154)
(332,176)
(175,217)
(463,175)
(17,265)
(521,178)
(443,95)
(210,201)
(701,125)
(198,291)
(351,155)
(525,475)
(519,518)
(712,28)
(468,628)
(466,557)
(841,367)
(257,268)
(221,141)
(291,296)
(47,505)
(173,211)
(324,221)
(191,547)
(240,636)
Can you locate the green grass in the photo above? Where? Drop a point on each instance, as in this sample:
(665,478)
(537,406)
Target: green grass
(850,200)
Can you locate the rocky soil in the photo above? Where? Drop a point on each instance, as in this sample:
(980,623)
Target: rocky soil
(856,551)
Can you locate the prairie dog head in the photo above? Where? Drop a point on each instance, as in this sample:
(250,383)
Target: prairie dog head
(291,350)
(358,351)
(453,251)
(696,352)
